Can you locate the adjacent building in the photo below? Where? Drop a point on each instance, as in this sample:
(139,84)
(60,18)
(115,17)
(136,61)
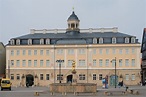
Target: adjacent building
(32,58)
(143,51)
(2,60)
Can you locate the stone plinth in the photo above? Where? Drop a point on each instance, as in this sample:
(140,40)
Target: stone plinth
(73,88)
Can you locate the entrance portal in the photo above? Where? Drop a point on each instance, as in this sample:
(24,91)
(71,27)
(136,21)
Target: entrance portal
(69,79)
(30,79)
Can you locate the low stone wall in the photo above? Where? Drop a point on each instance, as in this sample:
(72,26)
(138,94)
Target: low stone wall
(73,88)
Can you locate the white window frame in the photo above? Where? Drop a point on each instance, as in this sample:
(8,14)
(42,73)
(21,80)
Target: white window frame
(41,41)
(107,62)
(133,40)
(94,62)
(18,42)
(47,41)
(133,77)
(100,40)
(94,40)
(126,40)
(29,41)
(114,40)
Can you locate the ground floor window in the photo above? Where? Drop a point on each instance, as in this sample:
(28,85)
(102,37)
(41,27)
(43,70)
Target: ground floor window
(59,77)
(100,76)
(133,77)
(94,76)
(12,76)
(47,76)
(41,76)
(81,76)
(18,76)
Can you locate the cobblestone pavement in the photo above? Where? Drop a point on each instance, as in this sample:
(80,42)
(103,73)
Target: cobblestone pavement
(44,92)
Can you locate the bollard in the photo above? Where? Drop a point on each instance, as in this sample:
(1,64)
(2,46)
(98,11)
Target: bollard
(36,93)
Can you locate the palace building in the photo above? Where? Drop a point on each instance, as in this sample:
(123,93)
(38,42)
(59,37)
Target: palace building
(35,58)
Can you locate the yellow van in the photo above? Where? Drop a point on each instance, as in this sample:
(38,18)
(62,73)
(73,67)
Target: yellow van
(5,84)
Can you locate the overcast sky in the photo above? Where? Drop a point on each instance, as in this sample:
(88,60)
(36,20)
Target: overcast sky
(17,17)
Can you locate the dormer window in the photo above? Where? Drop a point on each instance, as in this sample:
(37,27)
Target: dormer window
(47,41)
(18,41)
(133,40)
(100,40)
(12,42)
(94,40)
(41,41)
(114,40)
(126,40)
(29,41)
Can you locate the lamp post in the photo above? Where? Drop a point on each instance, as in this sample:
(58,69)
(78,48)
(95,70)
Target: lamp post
(115,71)
(59,61)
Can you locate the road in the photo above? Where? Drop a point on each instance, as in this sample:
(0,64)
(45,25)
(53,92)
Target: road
(44,92)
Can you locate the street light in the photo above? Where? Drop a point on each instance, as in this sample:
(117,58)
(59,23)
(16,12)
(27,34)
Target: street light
(59,61)
(115,72)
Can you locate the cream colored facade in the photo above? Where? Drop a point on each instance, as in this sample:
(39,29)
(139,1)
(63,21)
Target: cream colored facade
(93,62)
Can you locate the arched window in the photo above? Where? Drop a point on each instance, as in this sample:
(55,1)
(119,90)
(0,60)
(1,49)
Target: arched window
(12,41)
(114,40)
(126,40)
(41,41)
(18,41)
(47,41)
(100,40)
(133,40)
(29,41)
(94,40)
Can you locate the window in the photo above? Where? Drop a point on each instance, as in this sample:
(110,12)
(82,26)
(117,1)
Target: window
(133,62)
(17,63)
(100,62)
(60,51)
(41,52)
(18,52)
(107,51)
(120,51)
(127,62)
(133,40)
(113,62)
(70,62)
(70,51)
(127,51)
(12,42)
(133,77)
(41,63)
(47,63)
(41,76)
(18,41)
(47,52)
(12,52)
(81,62)
(94,51)
(29,52)
(100,76)
(100,40)
(12,76)
(23,63)
(107,62)
(35,52)
(35,63)
(41,41)
(133,50)
(127,77)
(94,62)
(47,76)
(47,41)
(114,51)
(12,62)
(29,41)
(94,76)
(113,40)
(18,77)
(81,76)
(29,63)
(81,51)
(23,52)
(126,40)
(94,40)
(120,62)
(100,51)
(59,77)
